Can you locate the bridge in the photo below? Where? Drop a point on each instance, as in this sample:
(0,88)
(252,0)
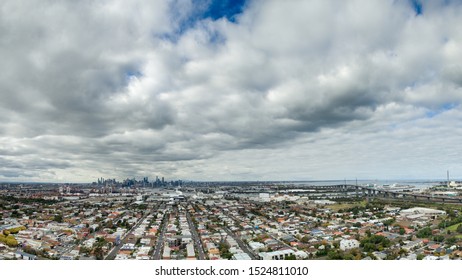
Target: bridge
(360,191)
(366,191)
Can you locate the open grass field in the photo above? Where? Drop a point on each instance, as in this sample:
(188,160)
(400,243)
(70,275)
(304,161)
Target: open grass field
(453,227)
(343,206)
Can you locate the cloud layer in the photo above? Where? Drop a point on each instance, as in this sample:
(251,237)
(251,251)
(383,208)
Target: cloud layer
(268,90)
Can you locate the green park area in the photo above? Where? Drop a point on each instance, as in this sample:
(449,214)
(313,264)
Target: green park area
(347,205)
(457,228)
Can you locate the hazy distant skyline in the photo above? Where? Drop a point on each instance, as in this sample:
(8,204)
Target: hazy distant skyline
(230,90)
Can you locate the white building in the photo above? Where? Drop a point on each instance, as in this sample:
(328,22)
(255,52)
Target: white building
(20,255)
(300,255)
(121,257)
(276,255)
(191,255)
(411,245)
(264,197)
(231,242)
(348,244)
(166,253)
(241,257)
(412,213)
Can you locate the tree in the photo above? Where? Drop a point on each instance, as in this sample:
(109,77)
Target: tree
(438,238)
(375,243)
(11,242)
(224,250)
(305,239)
(357,224)
(8,240)
(451,240)
(15,214)
(84,250)
(402,252)
(389,222)
(58,218)
(99,254)
(459,228)
(334,255)
(424,233)
(17,229)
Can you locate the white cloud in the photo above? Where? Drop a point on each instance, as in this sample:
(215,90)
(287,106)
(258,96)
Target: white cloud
(291,90)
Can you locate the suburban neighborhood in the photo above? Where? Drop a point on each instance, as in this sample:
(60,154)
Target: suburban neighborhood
(196,223)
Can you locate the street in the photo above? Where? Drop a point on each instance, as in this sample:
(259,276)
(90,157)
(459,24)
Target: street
(112,254)
(241,244)
(160,240)
(196,239)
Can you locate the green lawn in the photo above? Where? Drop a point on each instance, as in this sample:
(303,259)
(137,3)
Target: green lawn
(453,227)
(343,206)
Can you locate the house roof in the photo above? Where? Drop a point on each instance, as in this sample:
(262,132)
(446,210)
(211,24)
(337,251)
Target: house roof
(24,254)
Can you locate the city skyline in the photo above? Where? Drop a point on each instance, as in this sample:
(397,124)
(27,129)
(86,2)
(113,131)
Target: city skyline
(168,181)
(230,90)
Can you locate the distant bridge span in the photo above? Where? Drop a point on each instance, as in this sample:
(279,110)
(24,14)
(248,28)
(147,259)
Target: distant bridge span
(373,192)
(363,191)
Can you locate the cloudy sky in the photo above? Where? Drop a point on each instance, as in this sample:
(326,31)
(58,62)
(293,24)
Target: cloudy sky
(230,90)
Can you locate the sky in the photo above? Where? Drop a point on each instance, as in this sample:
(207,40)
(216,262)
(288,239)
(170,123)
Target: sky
(230,90)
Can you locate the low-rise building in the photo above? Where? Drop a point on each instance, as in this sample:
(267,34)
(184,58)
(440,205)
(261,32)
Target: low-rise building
(348,244)
(276,255)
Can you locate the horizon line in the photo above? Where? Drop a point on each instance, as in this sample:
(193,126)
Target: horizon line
(253,181)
